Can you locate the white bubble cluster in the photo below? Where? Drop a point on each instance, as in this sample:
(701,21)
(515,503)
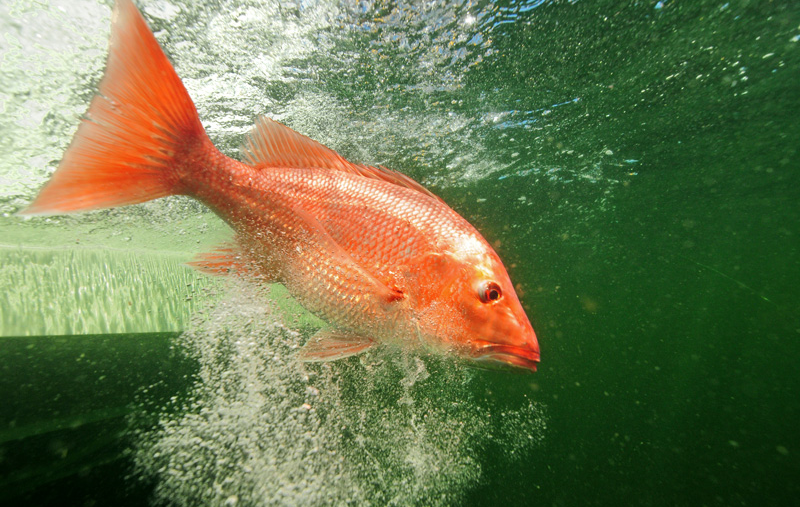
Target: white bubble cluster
(258,427)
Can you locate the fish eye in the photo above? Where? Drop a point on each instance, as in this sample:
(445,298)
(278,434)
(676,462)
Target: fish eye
(490,292)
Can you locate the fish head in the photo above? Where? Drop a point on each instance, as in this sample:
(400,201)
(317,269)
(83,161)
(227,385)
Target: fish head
(473,310)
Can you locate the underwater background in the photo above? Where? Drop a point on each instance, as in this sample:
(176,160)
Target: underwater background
(634,162)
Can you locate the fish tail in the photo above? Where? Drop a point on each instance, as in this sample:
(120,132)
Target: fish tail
(141,129)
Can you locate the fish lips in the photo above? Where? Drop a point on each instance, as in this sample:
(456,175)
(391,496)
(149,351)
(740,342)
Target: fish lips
(507,357)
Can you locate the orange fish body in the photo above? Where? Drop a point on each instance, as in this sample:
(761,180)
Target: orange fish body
(371,251)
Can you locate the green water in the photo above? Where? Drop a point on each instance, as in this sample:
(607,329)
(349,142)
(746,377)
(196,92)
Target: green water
(634,162)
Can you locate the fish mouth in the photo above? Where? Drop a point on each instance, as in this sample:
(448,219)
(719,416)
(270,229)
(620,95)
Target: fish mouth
(507,357)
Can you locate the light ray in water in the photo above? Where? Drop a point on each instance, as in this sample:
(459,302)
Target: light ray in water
(734,280)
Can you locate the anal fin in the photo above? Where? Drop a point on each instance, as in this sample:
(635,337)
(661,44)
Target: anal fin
(330,345)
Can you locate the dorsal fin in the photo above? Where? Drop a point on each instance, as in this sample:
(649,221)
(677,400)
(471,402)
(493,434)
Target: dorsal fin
(272,144)
(382,173)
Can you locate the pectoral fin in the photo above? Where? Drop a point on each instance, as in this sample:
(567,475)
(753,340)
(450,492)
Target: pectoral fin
(316,236)
(330,345)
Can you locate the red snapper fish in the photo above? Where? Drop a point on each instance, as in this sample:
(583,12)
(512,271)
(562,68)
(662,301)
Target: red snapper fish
(369,250)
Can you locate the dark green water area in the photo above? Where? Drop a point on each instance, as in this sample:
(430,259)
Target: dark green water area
(65,404)
(635,164)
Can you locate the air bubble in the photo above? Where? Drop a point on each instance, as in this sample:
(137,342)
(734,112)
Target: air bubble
(258,427)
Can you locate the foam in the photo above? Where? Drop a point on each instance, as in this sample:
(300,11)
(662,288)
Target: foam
(260,428)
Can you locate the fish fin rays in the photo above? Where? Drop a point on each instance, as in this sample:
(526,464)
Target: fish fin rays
(224,259)
(138,125)
(397,178)
(272,144)
(230,259)
(330,345)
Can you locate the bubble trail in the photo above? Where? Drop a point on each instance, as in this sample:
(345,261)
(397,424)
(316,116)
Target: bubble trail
(258,427)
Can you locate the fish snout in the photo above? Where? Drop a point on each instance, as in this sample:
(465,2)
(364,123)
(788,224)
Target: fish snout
(518,352)
(508,357)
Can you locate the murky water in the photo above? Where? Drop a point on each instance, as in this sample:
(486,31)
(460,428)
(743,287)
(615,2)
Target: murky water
(635,163)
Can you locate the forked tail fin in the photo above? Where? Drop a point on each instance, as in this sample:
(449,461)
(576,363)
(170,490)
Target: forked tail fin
(138,127)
